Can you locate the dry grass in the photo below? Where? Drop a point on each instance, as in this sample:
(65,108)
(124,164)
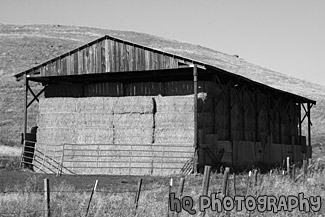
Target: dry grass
(66,200)
(8,151)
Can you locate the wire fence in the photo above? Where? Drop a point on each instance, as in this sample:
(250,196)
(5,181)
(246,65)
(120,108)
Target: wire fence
(148,187)
(138,194)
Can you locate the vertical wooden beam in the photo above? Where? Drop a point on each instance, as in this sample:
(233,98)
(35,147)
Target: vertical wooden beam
(25,106)
(280,130)
(195,160)
(309,123)
(243,114)
(299,116)
(256,117)
(229,120)
(229,111)
(268,114)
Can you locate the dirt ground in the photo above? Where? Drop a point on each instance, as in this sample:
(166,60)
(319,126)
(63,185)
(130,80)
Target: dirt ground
(12,180)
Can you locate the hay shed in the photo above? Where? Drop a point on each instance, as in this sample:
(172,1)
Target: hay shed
(116,107)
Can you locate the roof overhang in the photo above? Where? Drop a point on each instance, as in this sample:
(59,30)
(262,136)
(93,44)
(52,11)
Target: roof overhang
(188,63)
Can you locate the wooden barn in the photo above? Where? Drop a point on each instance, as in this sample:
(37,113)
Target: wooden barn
(116,107)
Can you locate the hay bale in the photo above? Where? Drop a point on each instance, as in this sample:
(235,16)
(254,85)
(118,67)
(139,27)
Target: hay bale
(175,103)
(64,120)
(133,136)
(133,120)
(175,135)
(95,120)
(57,105)
(96,105)
(134,104)
(93,135)
(56,135)
(165,120)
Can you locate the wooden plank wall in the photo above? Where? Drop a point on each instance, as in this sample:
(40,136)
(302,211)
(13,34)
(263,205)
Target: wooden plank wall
(108,56)
(253,114)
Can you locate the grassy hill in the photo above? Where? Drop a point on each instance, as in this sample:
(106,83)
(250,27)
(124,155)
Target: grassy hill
(22,47)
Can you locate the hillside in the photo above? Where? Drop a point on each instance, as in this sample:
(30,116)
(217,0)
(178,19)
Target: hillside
(22,47)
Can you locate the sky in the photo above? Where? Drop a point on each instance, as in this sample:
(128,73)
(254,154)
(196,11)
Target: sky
(287,36)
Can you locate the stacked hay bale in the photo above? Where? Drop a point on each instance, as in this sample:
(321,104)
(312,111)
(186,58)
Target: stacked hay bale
(120,135)
(95,120)
(56,125)
(133,120)
(84,123)
(133,125)
(174,133)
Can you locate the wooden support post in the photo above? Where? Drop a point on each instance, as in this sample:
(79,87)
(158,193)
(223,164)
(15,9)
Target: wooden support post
(243,114)
(47,196)
(256,118)
(225,182)
(25,106)
(229,111)
(309,124)
(279,114)
(91,197)
(229,122)
(137,196)
(180,191)
(195,159)
(269,132)
(299,115)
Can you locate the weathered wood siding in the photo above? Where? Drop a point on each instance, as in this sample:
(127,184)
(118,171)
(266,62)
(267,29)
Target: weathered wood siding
(108,55)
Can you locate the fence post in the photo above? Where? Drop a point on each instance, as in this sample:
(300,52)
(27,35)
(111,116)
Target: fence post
(137,196)
(205,183)
(47,196)
(255,177)
(91,197)
(234,183)
(293,172)
(304,167)
(248,181)
(225,181)
(180,191)
(288,165)
(169,191)
(206,180)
